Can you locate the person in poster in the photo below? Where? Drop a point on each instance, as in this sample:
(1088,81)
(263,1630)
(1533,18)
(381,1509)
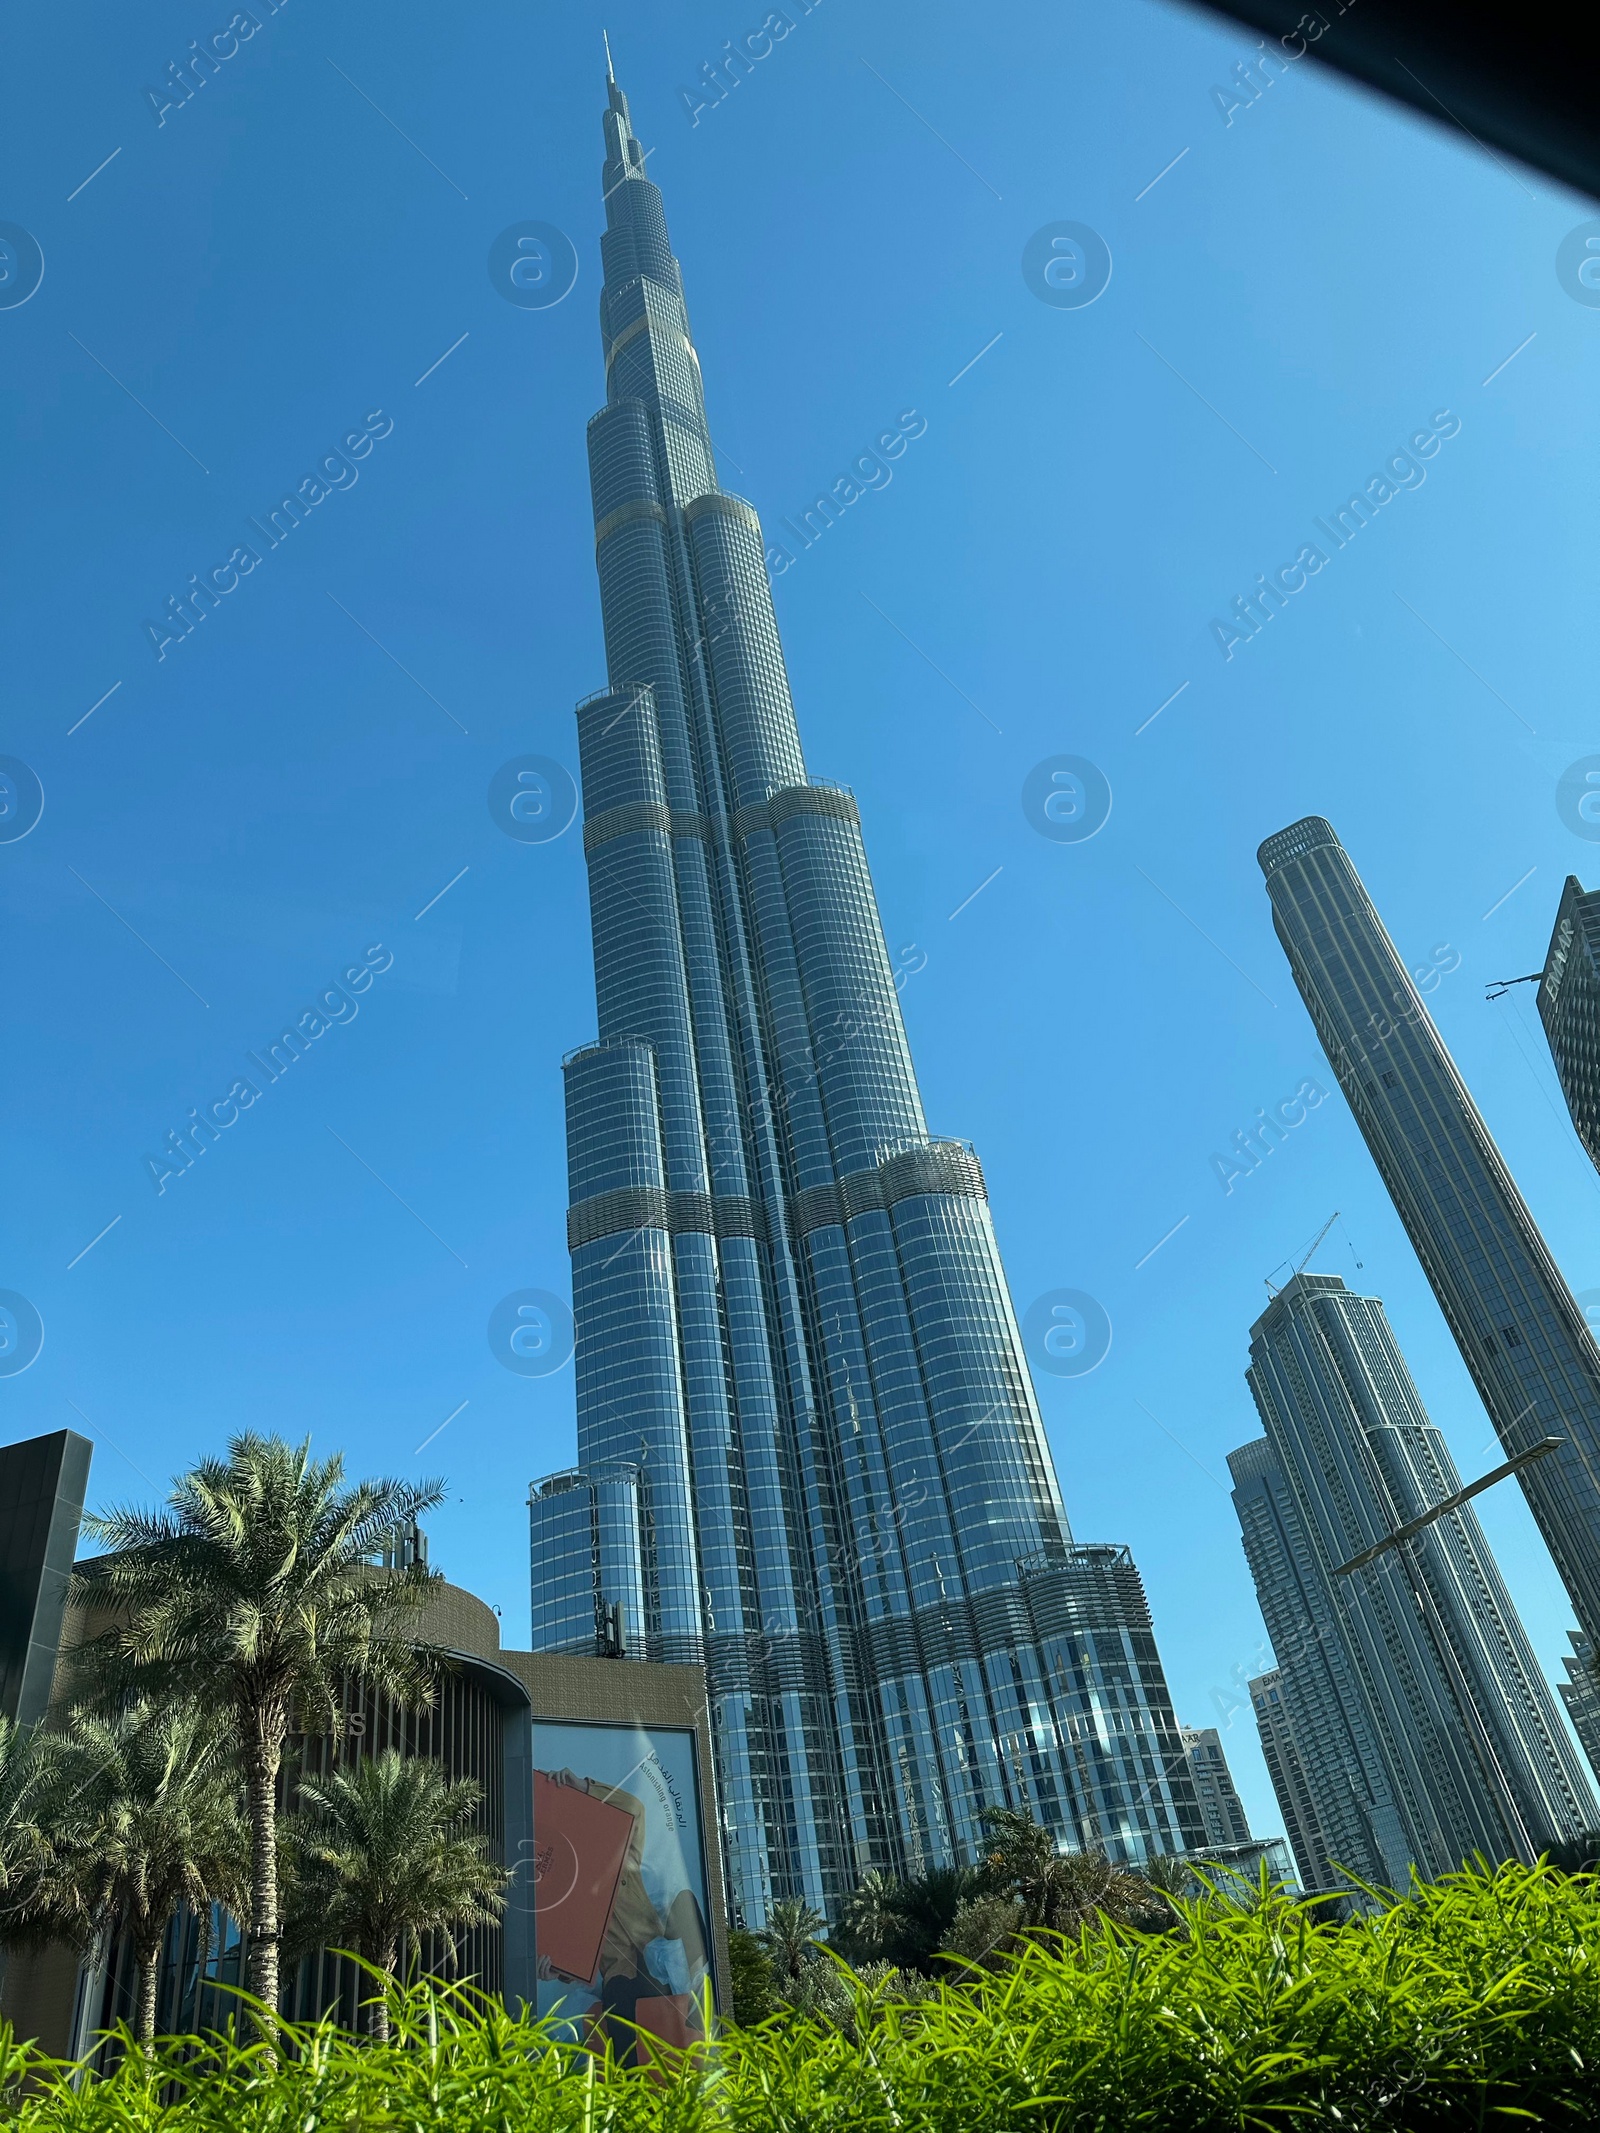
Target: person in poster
(619,1892)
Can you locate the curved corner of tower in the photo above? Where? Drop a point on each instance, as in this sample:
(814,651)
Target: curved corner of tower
(725,501)
(1309,834)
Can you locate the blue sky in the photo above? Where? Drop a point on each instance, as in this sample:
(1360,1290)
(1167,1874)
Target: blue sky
(288,255)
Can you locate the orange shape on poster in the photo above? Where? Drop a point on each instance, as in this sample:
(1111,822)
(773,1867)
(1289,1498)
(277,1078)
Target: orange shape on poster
(579,1845)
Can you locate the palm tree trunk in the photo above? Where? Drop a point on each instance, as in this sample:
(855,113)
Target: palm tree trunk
(147,1961)
(265,1732)
(378,2013)
(202,1962)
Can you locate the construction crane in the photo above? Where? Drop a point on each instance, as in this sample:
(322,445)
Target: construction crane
(1305,1260)
(1498,987)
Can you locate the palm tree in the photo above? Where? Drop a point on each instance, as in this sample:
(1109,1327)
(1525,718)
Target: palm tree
(924,1910)
(790,1936)
(1082,1888)
(1018,1850)
(384,1853)
(37,1901)
(20,1836)
(160,1827)
(869,1916)
(905,1923)
(1058,1892)
(257,1592)
(1169,1875)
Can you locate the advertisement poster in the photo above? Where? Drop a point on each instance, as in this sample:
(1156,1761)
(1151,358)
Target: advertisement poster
(619,1898)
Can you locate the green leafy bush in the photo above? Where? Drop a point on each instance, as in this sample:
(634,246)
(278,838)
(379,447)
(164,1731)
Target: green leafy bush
(1474,2003)
(750,1981)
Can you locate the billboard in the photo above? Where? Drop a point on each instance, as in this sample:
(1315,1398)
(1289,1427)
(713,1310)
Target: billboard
(621,1938)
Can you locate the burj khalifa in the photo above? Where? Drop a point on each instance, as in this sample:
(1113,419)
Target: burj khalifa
(811,1457)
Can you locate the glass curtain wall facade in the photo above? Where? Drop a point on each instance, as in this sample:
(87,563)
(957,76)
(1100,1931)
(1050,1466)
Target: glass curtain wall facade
(1435,1717)
(1569,1008)
(1520,1331)
(810,1452)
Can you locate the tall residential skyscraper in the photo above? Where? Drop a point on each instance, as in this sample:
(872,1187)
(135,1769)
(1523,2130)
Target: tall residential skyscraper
(1425,1728)
(810,1452)
(1569,1007)
(1290,1783)
(1520,1332)
(1221,1809)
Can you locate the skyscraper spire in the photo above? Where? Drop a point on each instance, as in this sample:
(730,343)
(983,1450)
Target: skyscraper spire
(811,1456)
(624,156)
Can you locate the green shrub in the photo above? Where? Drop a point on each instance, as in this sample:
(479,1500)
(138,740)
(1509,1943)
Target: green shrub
(750,1978)
(1474,2003)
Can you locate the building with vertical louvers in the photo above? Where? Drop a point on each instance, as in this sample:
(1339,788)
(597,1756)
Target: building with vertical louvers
(810,1451)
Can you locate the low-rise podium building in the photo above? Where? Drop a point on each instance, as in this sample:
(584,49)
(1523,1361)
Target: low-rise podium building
(595,1777)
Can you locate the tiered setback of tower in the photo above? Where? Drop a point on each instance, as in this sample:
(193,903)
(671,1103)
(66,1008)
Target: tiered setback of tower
(810,1450)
